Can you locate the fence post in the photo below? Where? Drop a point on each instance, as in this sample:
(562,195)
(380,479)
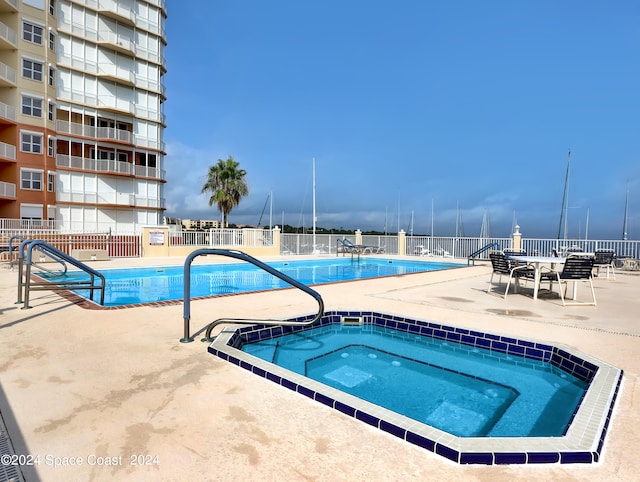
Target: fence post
(402,248)
(517,239)
(358,237)
(276,239)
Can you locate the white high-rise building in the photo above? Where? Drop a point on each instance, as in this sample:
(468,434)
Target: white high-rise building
(81,113)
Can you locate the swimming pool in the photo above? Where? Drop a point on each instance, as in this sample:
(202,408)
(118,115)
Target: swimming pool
(482,437)
(166,283)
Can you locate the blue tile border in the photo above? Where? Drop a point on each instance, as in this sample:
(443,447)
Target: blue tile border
(561,359)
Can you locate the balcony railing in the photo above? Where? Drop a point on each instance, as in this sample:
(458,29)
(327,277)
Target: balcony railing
(117,73)
(116,10)
(110,198)
(94,132)
(7,189)
(7,111)
(8,74)
(108,166)
(7,151)
(14,3)
(152,172)
(119,41)
(8,34)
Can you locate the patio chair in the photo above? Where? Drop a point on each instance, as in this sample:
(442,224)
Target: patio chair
(503,266)
(603,258)
(514,252)
(576,268)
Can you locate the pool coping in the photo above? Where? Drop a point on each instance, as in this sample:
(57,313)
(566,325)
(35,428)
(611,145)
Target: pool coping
(583,441)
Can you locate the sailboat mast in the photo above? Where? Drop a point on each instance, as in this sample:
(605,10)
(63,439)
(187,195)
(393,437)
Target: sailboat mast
(314,203)
(411,224)
(270,209)
(563,210)
(586,228)
(626,214)
(432,217)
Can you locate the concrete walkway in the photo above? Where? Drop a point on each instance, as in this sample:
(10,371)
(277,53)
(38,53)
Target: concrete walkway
(113,394)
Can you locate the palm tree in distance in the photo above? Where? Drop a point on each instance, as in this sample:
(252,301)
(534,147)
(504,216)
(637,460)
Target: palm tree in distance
(227,185)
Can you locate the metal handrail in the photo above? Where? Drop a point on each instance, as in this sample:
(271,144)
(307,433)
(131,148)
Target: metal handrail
(486,247)
(250,259)
(55,253)
(50,255)
(17,236)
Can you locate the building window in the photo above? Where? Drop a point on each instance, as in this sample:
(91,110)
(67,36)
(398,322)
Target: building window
(52,41)
(31,143)
(52,76)
(31,106)
(32,33)
(51,146)
(30,180)
(52,7)
(52,111)
(109,155)
(32,69)
(51,182)
(145,159)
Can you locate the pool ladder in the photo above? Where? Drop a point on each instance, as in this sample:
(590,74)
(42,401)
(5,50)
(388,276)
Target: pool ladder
(96,280)
(187,338)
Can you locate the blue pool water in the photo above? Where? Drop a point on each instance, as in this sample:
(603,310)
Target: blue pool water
(146,285)
(464,390)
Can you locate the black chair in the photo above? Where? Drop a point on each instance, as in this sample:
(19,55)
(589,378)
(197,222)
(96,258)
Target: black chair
(576,268)
(603,258)
(514,252)
(503,266)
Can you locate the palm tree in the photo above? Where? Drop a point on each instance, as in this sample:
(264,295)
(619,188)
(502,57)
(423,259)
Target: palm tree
(227,185)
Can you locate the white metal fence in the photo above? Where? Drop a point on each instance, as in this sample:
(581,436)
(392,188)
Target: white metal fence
(128,244)
(117,245)
(300,244)
(223,237)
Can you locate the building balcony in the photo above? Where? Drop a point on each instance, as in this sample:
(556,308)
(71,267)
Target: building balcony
(113,73)
(8,76)
(151,172)
(117,42)
(110,199)
(114,104)
(7,113)
(108,166)
(109,103)
(109,133)
(7,6)
(150,143)
(117,11)
(7,151)
(7,190)
(8,37)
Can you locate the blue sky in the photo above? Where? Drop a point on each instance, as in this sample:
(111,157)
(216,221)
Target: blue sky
(470,107)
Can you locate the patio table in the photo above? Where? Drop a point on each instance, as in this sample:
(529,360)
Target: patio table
(537,262)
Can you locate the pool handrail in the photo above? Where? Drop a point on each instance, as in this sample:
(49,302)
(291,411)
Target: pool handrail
(471,259)
(15,236)
(50,255)
(256,262)
(54,253)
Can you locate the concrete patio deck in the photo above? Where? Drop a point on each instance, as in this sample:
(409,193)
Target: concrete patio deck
(96,390)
